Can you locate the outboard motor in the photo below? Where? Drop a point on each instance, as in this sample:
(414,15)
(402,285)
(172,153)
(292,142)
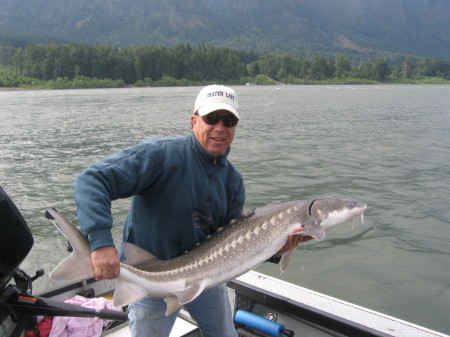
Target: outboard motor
(16,242)
(16,239)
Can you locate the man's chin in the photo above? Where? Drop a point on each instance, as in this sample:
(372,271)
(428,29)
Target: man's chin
(217,150)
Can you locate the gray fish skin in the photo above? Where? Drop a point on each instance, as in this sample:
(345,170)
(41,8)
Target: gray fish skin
(234,249)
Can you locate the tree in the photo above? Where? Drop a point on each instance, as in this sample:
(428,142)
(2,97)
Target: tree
(179,56)
(379,70)
(343,66)
(321,68)
(6,55)
(269,65)
(139,68)
(19,61)
(407,69)
(253,69)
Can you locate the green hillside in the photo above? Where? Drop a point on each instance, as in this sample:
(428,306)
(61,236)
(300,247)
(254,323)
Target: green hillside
(366,28)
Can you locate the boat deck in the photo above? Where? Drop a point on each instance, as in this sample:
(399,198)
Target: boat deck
(323,310)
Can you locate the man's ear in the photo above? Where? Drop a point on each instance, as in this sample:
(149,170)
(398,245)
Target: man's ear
(193,120)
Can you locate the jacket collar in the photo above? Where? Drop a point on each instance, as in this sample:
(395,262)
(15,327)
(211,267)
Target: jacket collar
(208,156)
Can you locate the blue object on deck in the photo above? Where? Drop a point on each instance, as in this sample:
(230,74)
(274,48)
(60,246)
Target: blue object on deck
(257,322)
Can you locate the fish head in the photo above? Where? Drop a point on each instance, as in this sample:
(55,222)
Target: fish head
(332,211)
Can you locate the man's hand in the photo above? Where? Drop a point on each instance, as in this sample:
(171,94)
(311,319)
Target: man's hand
(106,263)
(292,242)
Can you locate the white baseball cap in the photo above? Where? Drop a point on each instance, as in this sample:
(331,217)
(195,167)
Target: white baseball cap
(216,97)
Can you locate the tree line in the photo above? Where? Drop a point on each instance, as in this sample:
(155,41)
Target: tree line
(182,64)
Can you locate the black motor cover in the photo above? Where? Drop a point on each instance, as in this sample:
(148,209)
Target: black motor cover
(16,239)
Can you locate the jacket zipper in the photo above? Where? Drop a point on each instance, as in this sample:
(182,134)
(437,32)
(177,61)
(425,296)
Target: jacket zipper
(210,181)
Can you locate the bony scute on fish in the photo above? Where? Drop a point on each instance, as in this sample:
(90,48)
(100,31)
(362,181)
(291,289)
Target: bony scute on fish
(247,242)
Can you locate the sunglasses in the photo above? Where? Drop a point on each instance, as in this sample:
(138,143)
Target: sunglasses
(213,118)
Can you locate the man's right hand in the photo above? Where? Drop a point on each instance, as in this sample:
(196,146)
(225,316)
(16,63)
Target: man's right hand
(106,263)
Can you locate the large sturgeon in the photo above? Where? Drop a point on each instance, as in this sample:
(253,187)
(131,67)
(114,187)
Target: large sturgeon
(234,249)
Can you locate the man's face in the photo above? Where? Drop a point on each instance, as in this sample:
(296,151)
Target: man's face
(217,138)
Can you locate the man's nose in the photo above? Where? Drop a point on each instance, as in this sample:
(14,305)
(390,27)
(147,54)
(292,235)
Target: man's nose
(220,125)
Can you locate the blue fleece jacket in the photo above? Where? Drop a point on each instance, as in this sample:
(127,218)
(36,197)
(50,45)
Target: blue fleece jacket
(181,193)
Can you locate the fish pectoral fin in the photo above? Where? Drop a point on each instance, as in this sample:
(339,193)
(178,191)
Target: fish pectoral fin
(189,294)
(173,304)
(286,258)
(135,255)
(313,228)
(127,292)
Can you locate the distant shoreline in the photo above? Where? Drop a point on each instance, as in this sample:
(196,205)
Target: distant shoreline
(92,83)
(14,89)
(279,84)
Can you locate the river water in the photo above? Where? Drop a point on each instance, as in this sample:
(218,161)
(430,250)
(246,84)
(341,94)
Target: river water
(388,146)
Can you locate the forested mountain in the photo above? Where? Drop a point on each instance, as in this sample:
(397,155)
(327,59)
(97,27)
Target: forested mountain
(361,27)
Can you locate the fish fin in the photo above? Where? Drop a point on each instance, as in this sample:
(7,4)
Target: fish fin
(135,255)
(182,297)
(127,292)
(189,294)
(75,267)
(78,264)
(313,228)
(173,304)
(286,258)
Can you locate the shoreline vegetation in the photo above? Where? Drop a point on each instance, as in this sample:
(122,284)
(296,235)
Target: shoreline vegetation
(94,83)
(78,65)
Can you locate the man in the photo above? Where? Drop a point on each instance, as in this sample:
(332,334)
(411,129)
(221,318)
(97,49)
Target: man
(183,189)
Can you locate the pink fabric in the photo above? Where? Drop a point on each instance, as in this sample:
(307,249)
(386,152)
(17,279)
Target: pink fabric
(82,326)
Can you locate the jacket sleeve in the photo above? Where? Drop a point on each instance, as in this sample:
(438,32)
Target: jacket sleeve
(127,173)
